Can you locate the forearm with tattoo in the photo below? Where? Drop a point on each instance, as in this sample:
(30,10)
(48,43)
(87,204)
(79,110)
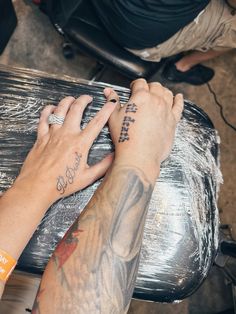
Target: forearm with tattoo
(93,270)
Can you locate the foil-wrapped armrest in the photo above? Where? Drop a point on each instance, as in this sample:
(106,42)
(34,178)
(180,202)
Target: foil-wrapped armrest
(181,231)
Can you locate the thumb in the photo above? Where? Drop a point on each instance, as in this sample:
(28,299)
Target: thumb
(98,170)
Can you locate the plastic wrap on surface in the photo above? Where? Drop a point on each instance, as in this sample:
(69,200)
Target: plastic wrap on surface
(181,231)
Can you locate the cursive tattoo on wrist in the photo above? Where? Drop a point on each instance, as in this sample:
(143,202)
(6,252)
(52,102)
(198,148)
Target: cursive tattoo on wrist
(124,135)
(69,176)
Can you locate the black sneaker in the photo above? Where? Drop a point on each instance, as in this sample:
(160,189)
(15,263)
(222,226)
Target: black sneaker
(197,75)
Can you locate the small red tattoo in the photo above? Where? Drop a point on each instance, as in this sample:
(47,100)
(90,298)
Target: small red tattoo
(67,246)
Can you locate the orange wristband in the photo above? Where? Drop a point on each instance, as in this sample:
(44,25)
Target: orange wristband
(7,264)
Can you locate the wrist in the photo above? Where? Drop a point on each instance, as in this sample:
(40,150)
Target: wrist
(21,210)
(146,164)
(32,192)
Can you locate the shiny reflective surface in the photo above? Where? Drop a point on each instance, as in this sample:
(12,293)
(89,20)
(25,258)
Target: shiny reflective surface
(181,231)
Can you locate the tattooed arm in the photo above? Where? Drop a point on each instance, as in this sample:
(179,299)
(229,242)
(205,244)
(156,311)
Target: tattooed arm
(94,267)
(55,167)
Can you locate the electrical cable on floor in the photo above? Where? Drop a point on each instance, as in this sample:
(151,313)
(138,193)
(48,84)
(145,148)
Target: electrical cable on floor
(221,107)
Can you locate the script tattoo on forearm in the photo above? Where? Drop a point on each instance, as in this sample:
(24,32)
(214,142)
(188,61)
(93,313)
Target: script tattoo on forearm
(124,135)
(68,177)
(96,263)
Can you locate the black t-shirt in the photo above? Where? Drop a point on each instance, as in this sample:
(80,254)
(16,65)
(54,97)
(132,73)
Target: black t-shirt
(138,24)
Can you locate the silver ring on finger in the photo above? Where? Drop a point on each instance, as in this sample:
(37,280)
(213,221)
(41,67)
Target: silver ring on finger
(54,119)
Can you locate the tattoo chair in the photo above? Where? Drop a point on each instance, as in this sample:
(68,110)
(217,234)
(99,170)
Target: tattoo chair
(181,232)
(8,21)
(83,31)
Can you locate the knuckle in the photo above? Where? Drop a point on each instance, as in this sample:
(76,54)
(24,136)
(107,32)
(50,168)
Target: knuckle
(41,142)
(168,91)
(141,79)
(137,81)
(157,84)
(180,98)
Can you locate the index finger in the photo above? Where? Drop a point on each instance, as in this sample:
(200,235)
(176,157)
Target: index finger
(95,126)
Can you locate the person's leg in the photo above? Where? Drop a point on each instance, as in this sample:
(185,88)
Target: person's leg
(215,31)
(208,36)
(188,68)
(196,57)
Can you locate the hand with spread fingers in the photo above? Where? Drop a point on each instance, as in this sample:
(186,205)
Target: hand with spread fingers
(143,129)
(57,164)
(55,167)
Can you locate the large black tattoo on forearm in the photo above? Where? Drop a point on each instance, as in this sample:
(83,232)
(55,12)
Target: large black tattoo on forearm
(97,271)
(124,133)
(68,177)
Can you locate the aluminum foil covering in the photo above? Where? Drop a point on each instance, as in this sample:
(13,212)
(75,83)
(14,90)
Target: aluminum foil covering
(181,231)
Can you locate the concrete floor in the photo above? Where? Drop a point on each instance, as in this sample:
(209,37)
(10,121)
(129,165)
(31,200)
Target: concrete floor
(36,45)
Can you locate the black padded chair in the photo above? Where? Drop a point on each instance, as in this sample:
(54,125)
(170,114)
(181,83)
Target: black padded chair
(84,30)
(8,21)
(181,233)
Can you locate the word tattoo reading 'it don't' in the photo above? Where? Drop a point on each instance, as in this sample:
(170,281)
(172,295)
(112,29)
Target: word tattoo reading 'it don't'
(124,133)
(70,173)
